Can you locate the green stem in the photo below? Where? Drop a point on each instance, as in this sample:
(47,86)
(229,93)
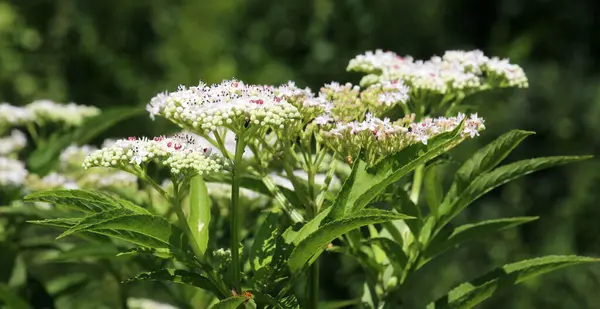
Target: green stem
(235,212)
(221,145)
(416,186)
(313,293)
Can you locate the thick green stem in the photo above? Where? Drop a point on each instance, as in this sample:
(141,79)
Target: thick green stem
(236,213)
(313,275)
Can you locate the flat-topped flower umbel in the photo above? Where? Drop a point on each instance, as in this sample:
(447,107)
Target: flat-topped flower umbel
(179,153)
(455,71)
(230,104)
(379,137)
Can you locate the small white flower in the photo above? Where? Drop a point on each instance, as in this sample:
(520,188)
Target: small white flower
(13,143)
(71,114)
(12,116)
(12,172)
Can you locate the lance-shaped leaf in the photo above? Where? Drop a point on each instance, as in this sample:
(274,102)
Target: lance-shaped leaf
(339,208)
(230,303)
(84,200)
(497,177)
(485,159)
(263,247)
(311,226)
(469,232)
(178,276)
(199,212)
(312,246)
(470,294)
(396,166)
(87,201)
(62,222)
(142,229)
(88,251)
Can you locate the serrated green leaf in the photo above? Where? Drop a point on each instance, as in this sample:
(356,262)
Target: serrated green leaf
(163,253)
(142,229)
(470,294)
(87,201)
(497,177)
(263,246)
(177,276)
(199,212)
(485,159)
(340,204)
(393,251)
(43,159)
(64,222)
(470,232)
(395,166)
(311,226)
(230,303)
(11,299)
(313,245)
(83,251)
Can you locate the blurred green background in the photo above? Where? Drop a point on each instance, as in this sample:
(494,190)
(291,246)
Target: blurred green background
(114,52)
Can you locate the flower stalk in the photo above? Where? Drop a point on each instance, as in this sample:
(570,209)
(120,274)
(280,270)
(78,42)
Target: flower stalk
(236,213)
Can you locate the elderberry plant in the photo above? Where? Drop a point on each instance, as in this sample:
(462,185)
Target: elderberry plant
(384,140)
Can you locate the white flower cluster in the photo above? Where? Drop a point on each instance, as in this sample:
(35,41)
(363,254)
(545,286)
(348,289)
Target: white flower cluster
(455,70)
(304,100)
(506,73)
(231,103)
(12,116)
(74,155)
(71,114)
(12,172)
(388,93)
(114,179)
(13,143)
(378,137)
(375,62)
(221,190)
(53,180)
(180,153)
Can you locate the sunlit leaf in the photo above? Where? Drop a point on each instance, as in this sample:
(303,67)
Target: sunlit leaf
(485,159)
(497,177)
(313,245)
(263,246)
(177,276)
(199,212)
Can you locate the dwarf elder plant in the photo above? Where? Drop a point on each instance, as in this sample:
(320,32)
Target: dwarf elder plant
(383,141)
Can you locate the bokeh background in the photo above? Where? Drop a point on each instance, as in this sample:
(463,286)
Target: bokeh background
(116,53)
